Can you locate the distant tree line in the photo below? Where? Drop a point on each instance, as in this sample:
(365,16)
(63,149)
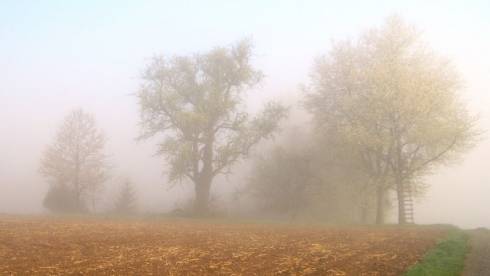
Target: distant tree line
(385,113)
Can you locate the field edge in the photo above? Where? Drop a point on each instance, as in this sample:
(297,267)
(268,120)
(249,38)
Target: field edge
(447,258)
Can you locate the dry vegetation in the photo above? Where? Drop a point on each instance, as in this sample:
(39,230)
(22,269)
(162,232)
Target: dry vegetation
(176,247)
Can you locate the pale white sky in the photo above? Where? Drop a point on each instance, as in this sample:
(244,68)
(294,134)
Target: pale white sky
(58,55)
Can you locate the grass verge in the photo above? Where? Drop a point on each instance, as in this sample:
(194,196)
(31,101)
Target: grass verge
(445,259)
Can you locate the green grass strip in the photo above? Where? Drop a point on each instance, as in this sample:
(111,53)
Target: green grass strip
(445,259)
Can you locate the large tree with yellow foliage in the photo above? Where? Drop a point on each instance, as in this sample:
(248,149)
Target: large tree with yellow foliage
(396,103)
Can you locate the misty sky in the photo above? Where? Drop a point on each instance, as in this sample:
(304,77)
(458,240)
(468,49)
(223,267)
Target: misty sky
(59,55)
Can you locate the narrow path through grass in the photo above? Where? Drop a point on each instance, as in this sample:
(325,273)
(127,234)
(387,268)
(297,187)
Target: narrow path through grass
(445,259)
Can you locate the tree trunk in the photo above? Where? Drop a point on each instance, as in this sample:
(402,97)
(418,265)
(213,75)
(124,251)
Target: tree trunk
(380,205)
(78,189)
(93,203)
(202,189)
(203,183)
(364,207)
(401,200)
(364,214)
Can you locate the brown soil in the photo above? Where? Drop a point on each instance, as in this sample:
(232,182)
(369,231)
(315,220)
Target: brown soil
(102,247)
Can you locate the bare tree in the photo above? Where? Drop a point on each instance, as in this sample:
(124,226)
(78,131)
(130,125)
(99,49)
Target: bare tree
(76,159)
(196,102)
(396,103)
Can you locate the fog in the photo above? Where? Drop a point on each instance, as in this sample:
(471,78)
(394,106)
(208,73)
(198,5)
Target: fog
(59,56)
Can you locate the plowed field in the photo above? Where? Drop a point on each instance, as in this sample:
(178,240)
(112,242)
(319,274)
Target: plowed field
(102,247)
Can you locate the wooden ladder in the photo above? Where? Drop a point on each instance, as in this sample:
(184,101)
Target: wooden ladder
(408,204)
